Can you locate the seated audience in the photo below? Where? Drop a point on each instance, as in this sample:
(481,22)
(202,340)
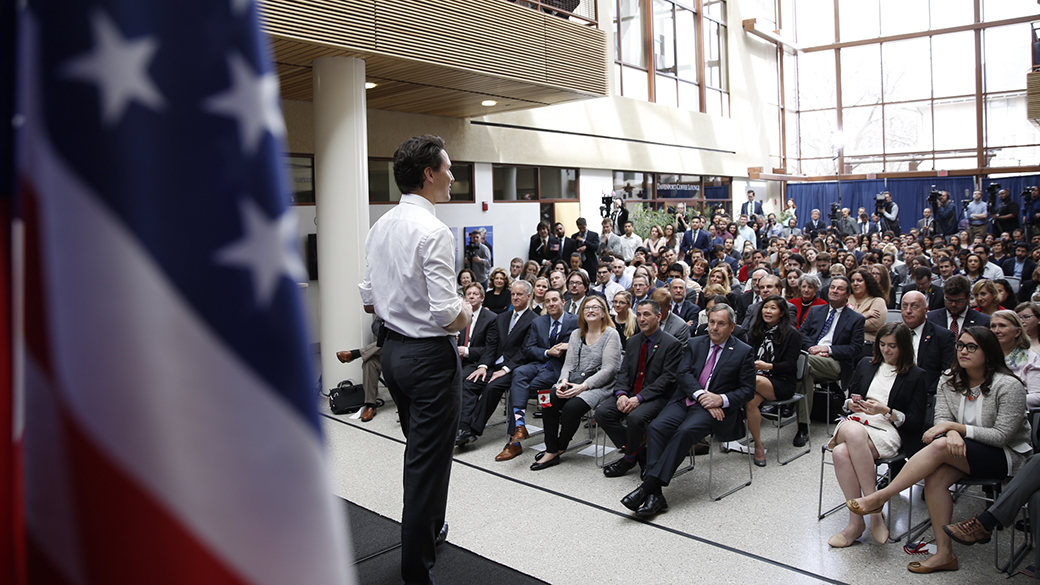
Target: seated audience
(809,288)
(887,401)
(605,285)
(791,290)
(624,316)
(588,374)
(986,295)
(980,431)
(1029,314)
(670,322)
(956,315)
(868,300)
(717,378)
(464,279)
(775,344)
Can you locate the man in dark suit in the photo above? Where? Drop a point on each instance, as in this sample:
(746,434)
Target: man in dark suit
(752,296)
(645,382)
(568,246)
(588,246)
(833,336)
(1019,265)
(544,248)
(752,208)
(472,343)
(767,287)
(814,226)
(933,345)
(717,378)
(923,284)
(956,315)
(682,308)
(502,354)
(545,348)
(695,238)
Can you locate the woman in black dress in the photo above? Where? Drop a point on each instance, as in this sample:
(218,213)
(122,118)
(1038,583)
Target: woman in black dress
(776,344)
(498,297)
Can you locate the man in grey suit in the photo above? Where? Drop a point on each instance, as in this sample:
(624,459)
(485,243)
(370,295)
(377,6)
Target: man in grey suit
(1003,511)
(670,322)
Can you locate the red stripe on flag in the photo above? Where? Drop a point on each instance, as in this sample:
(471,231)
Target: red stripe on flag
(126,535)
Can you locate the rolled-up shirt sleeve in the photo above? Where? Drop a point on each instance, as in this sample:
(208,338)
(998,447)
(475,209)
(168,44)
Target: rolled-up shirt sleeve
(437,252)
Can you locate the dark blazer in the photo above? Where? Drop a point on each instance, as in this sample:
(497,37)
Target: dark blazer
(687,311)
(909,396)
(847,342)
(567,247)
(935,353)
(479,339)
(688,243)
(591,247)
(733,376)
(935,297)
(1027,270)
(750,208)
(785,357)
(973,318)
(752,313)
(812,228)
(537,342)
(702,330)
(550,252)
(744,300)
(508,345)
(728,259)
(662,366)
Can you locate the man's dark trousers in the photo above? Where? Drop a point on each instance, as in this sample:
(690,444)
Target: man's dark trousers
(424,377)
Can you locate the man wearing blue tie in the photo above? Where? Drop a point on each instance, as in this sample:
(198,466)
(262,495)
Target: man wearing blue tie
(545,348)
(752,209)
(695,238)
(833,336)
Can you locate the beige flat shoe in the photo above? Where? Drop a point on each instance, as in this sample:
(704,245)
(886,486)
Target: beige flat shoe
(840,541)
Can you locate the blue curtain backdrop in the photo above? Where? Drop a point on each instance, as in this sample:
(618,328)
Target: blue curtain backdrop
(910,194)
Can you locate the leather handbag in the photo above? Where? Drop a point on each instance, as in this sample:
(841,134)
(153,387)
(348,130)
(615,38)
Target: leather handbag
(346,398)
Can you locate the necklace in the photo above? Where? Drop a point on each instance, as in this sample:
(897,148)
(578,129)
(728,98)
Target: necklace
(974,393)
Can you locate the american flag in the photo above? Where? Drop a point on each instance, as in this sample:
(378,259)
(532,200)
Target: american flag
(170,433)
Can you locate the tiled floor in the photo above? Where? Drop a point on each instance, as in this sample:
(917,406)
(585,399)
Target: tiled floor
(565,525)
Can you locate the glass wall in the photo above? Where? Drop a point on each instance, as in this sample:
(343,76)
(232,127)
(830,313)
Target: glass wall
(515,183)
(662,191)
(668,69)
(383,189)
(907,104)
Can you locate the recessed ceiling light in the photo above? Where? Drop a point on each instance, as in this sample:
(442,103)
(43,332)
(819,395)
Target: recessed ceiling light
(369,85)
(489,103)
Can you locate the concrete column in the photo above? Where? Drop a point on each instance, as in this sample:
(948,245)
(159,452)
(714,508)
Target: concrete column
(341,202)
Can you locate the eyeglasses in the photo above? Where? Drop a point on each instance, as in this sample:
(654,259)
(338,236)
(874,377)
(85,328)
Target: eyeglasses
(956,301)
(971,347)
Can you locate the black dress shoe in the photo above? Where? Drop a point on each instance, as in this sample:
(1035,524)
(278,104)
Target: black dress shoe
(801,438)
(634,500)
(618,468)
(464,438)
(538,455)
(538,465)
(654,505)
(442,535)
(787,411)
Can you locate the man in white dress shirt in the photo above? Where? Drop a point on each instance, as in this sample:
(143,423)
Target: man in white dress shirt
(421,361)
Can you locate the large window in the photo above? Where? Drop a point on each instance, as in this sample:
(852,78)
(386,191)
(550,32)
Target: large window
(658,55)
(901,87)
(513,183)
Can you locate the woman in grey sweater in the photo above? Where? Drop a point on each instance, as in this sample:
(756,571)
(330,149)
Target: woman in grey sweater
(587,378)
(980,430)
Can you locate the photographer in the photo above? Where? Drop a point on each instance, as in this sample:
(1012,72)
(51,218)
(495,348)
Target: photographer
(478,256)
(889,213)
(1031,212)
(945,213)
(1006,215)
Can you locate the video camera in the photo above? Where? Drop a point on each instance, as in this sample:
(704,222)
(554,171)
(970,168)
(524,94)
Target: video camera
(933,197)
(879,203)
(993,189)
(606,202)
(835,213)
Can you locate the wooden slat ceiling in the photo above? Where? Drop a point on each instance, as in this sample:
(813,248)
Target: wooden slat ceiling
(446,62)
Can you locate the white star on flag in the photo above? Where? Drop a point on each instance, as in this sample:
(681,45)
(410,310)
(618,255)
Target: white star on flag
(266,249)
(252,100)
(119,67)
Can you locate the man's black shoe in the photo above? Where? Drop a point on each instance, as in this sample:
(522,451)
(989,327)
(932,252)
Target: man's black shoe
(618,468)
(634,500)
(442,535)
(801,438)
(654,505)
(464,437)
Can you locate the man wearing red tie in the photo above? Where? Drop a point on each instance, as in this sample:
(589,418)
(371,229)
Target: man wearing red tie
(716,378)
